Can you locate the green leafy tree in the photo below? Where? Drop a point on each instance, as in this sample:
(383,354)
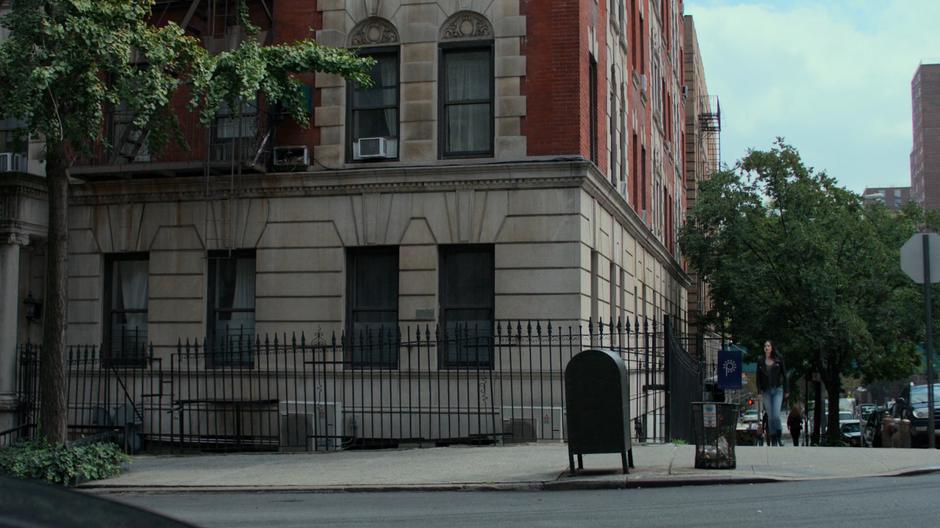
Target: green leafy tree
(66,61)
(794,258)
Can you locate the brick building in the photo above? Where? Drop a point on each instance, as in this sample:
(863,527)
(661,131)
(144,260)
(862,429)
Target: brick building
(516,160)
(925,156)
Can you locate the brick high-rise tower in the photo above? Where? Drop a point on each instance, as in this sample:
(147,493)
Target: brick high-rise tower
(925,156)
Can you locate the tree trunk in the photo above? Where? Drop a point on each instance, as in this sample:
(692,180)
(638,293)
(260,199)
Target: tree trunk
(817,413)
(834,389)
(52,385)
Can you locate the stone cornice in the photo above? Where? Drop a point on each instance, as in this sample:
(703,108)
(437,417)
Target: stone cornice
(20,184)
(430,178)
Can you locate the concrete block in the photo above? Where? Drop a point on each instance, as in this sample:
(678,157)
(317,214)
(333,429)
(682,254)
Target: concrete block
(423,309)
(417,282)
(84,311)
(418,111)
(419,32)
(506,47)
(300,284)
(167,335)
(330,5)
(507,86)
(176,238)
(510,66)
(510,26)
(285,309)
(417,92)
(333,96)
(83,241)
(176,310)
(329,155)
(175,286)
(183,262)
(559,228)
(327,80)
(418,151)
(331,37)
(336,20)
(419,72)
(332,135)
(419,52)
(543,201)
(505,8)
(418,130)
(417,258)
(542,307)
(537,255)
(85,265)
(510,147)
(508,126)
(85,288)
(329,116)
(538,281)
(301,259)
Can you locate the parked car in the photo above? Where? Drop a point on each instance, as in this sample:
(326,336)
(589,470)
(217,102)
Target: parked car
(864,410)
(912,404)
(851,433)
(846,416)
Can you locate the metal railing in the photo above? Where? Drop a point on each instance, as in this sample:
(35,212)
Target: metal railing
(417,385)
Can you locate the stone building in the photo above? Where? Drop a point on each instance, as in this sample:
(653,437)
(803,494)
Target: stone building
(515,160)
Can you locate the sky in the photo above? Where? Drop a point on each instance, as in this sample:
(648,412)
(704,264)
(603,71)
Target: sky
(832,77)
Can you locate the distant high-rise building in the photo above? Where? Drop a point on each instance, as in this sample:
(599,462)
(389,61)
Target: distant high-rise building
(893,198)
(925,156)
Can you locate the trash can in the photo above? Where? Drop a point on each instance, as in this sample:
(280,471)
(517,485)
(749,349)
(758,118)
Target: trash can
(713,427)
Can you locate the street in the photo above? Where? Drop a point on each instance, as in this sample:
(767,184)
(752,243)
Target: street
(864,502)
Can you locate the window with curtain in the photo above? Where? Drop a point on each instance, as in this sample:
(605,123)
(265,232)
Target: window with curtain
(373,110)
(234,131)
(126,306)
(231,318)
(467,294)
(372,307)
(467,101)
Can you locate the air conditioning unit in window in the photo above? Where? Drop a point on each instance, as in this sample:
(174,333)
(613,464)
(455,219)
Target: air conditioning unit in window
(291,157)
(623,188)
(370,148)
(12,162)
(685,90)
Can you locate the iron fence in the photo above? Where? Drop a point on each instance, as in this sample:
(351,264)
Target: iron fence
(411,386)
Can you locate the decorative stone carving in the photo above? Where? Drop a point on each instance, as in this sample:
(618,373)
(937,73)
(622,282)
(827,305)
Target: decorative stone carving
(373,32)
(14,239)
(466,25)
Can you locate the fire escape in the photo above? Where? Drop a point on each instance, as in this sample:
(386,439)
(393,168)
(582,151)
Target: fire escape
(709,123)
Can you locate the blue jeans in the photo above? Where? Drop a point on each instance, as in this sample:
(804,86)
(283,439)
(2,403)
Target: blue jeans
(773,400)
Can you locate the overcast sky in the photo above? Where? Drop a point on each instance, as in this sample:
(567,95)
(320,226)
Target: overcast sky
(833,77)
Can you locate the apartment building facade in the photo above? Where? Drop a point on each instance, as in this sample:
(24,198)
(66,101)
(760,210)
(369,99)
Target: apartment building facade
(925,155)
(514,160)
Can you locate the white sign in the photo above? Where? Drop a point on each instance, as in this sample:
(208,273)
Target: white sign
(912,257)
(710,415)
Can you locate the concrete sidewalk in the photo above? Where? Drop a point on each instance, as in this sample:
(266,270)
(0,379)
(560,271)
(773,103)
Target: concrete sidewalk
(524,467)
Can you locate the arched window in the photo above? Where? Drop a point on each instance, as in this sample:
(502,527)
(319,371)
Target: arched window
(372,116)
(466,87)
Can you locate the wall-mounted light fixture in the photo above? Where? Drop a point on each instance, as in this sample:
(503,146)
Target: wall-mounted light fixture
(33,308)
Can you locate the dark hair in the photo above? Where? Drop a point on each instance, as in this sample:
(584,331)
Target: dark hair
(773,349)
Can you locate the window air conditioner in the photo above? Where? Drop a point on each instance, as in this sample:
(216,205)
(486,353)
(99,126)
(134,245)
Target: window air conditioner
(296,156)
(528,424)
(370,148)
(685,90)
(308,425)
(623,188)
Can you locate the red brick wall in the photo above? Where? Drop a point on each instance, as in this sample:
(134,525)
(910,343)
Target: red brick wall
(292,22)
(556,77)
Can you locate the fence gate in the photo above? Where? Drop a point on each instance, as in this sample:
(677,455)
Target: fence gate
(683,375)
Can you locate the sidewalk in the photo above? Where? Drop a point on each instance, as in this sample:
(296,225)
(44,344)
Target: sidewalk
(525,467)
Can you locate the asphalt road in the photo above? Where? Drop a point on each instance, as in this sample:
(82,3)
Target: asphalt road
(875,502)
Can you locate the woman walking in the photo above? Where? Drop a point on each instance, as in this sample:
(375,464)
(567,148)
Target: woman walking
(771,383)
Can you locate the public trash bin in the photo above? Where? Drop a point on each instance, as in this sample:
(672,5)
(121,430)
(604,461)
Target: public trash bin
(597,396)
(714,426)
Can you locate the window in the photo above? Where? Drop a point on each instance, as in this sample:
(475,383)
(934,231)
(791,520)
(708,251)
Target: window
(466,101)
(373,111)
(125,339)
(372,307)
(467,292)
(234,131)
(635,175)
(592,106)
(643,187)
(231,318)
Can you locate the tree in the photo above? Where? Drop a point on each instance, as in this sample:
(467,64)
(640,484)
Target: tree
(794,258)
(66,61)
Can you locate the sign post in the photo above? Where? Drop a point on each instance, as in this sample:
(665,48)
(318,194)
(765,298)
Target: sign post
(920,260)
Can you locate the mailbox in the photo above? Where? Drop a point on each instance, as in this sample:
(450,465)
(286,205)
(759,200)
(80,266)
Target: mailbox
(597,395)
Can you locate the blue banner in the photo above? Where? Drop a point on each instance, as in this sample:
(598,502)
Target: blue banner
(729,368)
